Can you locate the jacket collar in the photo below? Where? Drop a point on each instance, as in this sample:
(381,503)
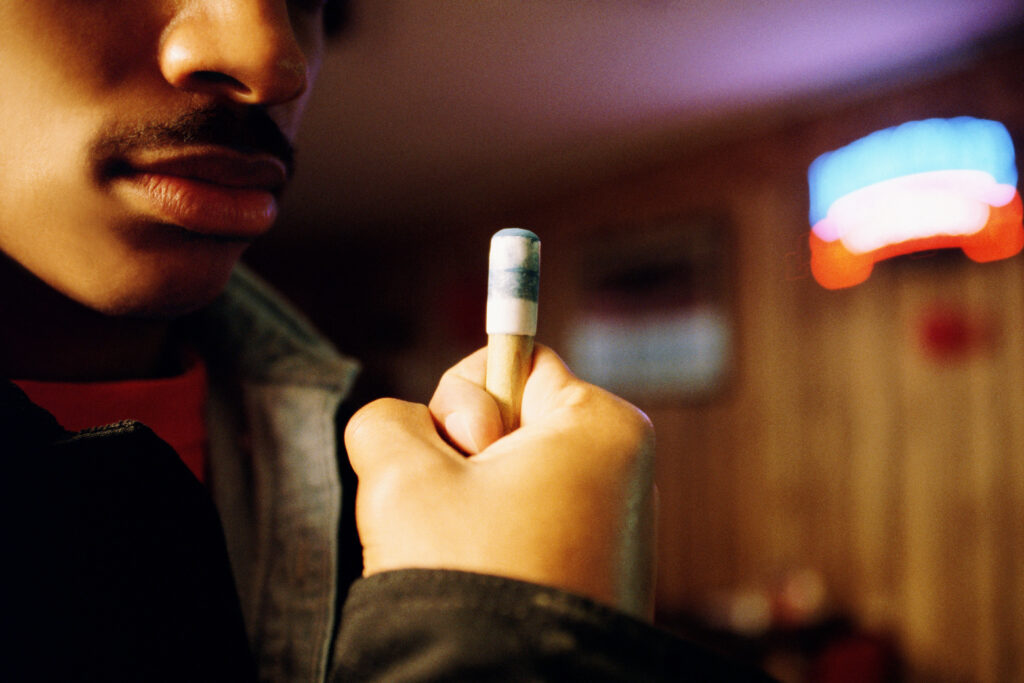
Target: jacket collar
(257,336)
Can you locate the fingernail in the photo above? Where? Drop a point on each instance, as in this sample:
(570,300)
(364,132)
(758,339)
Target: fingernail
(459,426)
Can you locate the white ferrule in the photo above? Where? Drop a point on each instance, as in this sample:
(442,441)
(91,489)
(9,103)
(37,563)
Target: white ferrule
(506,315)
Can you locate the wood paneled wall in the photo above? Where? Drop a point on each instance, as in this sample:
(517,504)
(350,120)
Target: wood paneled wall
(843,444)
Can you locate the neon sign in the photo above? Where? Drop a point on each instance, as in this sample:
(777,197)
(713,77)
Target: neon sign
(923,185)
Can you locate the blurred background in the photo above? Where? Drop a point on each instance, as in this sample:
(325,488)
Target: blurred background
(841,471)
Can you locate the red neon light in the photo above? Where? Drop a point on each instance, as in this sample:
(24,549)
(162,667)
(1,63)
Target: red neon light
(834,266)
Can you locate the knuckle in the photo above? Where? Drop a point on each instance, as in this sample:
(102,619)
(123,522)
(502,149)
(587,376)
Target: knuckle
(633,429)
(376,413)
(628,431)
(637,434)
(451,388)
(361,416)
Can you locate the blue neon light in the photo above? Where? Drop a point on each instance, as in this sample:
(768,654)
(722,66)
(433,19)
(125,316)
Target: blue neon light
(960,143)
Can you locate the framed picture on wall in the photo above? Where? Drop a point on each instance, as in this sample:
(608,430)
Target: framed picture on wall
(654,319)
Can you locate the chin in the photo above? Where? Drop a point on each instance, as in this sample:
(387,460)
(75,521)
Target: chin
(163,290)
(161,305)
(164,303)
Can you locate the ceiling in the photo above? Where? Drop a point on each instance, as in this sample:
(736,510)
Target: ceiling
(432,111)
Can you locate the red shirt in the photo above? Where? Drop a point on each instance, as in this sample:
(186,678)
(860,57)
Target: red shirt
(173,407)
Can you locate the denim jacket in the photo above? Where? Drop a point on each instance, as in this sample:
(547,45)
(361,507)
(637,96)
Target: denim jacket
(275,387)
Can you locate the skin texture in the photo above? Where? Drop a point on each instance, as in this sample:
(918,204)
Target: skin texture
(89,84)
(567,500)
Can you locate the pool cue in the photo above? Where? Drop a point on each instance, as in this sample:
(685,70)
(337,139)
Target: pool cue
(513,283)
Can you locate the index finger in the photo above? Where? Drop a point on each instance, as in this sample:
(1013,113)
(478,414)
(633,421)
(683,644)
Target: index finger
(470,417)
(462,386)
(463,411)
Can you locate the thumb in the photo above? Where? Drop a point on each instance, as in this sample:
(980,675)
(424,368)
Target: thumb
(402,465)
(389,433)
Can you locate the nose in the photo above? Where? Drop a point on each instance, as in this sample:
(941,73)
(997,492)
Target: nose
(242,50)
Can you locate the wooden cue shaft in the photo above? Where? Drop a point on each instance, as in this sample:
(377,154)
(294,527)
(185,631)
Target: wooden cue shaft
(509,358)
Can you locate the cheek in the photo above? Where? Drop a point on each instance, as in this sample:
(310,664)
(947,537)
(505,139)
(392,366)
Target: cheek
(56,87)
(108,273)
(44,174)
(78,46)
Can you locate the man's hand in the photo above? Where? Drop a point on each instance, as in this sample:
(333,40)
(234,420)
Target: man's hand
(566,500)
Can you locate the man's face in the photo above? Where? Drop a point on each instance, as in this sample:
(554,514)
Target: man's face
(144,143)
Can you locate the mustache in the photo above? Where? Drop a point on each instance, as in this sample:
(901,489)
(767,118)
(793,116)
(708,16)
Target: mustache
(249,131)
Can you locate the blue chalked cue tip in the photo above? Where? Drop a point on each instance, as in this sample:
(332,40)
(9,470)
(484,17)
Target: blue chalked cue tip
(513,285)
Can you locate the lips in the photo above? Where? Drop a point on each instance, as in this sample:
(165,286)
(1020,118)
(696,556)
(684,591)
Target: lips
(209,191)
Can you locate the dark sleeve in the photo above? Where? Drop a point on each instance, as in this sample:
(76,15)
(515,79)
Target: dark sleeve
(114,563)
(434,625)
